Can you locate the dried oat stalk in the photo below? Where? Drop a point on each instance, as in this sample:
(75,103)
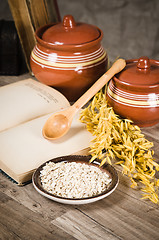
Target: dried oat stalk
(120,139)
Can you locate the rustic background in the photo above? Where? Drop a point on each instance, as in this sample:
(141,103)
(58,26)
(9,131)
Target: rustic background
(131,27)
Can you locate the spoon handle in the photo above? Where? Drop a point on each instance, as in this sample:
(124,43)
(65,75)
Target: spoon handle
(116,68)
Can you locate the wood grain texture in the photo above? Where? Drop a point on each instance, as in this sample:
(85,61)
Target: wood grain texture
(27,215)
(81,226)
(18,221)
(122,215)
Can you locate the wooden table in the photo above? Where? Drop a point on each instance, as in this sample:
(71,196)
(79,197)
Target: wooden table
(25,214)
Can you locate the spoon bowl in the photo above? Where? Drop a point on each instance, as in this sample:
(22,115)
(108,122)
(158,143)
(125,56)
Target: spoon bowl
(56,126)
(59,123)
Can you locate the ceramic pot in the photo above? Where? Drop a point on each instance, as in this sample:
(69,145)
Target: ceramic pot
(134,92)
(69,56)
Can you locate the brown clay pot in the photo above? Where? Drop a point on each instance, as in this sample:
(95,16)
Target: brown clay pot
(69,56)
(134,92)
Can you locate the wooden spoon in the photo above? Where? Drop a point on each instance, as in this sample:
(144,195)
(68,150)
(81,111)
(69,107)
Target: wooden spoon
(59,123)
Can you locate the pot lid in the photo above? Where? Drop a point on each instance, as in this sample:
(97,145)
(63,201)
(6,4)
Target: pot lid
(70,32)
(140,72)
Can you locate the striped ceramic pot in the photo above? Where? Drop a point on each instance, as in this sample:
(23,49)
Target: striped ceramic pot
(69,57)
(134,93)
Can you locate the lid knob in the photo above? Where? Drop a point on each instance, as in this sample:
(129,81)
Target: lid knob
(68,21)
(143,63)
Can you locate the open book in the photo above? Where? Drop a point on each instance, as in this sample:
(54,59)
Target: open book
(25,106)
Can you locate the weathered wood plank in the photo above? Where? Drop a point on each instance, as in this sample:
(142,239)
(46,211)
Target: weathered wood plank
(4,80)
(124,186)
(25,214)
(18,222)
(126,216)
(83,227)
(29,198)
(6,233)
(152,132)
(123,209)
(122,215)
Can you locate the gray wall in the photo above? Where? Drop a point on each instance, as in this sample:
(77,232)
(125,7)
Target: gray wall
(131,27)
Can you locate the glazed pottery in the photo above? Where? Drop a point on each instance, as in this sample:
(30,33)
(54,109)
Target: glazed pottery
(69,56)
(134,92)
